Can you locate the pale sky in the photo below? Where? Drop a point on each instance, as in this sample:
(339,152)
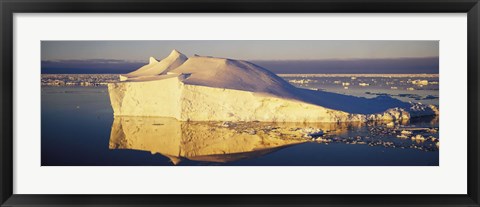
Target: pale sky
(241,49)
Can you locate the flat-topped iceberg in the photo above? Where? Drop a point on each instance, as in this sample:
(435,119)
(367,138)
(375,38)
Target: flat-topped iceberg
(202,88)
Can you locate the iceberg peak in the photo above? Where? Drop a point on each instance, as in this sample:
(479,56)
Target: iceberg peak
(175,53)
(152,60)
(154,67)
(174,56)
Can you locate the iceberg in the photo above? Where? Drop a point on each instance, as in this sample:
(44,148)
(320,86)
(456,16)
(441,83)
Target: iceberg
(204,88)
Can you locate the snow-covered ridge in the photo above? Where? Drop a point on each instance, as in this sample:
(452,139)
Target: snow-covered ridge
(233,74)
(155,67)
(203,88)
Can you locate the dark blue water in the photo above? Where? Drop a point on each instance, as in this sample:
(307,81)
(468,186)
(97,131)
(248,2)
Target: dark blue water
(77,124)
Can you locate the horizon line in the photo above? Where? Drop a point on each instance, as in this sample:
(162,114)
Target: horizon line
(325,59)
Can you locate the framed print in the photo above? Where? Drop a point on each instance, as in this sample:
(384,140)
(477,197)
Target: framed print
(190,103)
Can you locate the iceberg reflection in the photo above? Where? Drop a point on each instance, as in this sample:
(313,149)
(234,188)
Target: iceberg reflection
(231,141)
(208,141)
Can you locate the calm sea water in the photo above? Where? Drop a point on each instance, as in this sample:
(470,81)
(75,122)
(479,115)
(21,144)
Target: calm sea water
(78,129)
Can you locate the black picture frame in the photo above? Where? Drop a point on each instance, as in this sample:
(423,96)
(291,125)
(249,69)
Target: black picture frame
(10,7)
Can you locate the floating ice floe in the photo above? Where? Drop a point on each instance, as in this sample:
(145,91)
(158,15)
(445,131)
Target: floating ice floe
(405,132)
(418,137)
(420,82)
(312,133)
(402,136)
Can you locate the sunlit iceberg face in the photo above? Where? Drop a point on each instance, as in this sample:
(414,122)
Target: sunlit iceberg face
(231,141)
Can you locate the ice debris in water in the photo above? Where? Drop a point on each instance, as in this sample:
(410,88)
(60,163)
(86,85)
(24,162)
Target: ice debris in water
(419,109)
(418,137)
(402,136)
(312,132)
(405,132)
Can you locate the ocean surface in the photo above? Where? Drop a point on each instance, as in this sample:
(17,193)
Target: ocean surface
(79,129)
